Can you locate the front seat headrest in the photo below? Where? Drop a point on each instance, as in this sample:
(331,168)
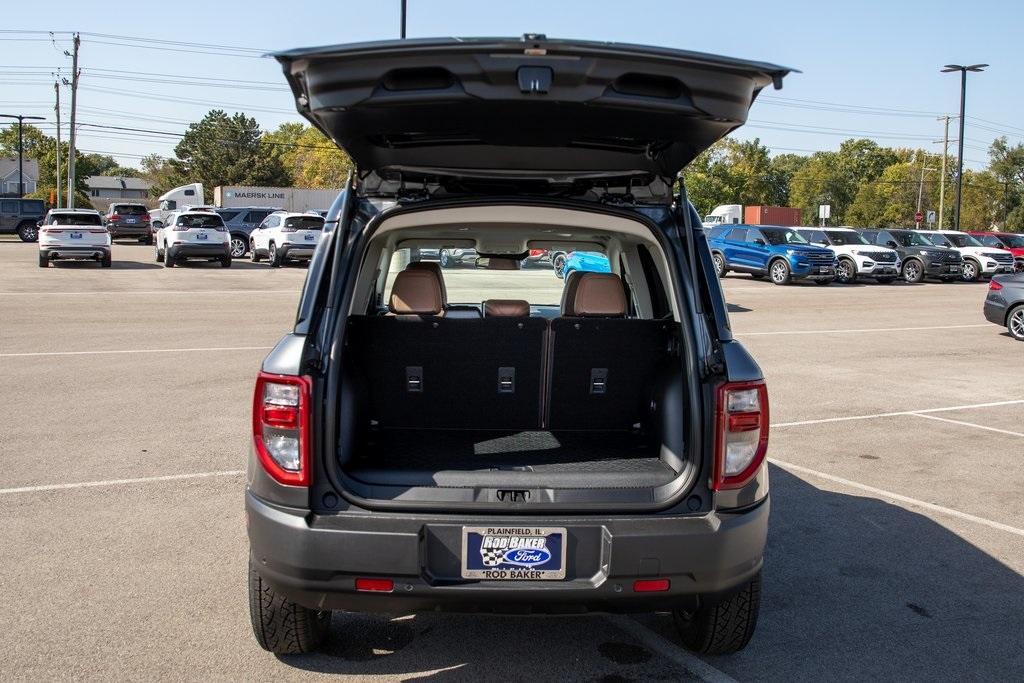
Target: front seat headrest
(600,295)
(434,268)
(506,308)
(416,292)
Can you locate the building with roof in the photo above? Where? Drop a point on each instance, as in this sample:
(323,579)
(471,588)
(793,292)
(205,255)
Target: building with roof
(105,189)
(9,176)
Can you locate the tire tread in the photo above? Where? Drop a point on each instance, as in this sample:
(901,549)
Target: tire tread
(280,625)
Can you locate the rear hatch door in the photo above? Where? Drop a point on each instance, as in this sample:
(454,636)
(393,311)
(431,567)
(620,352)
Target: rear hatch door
(529,107)
(201,229)
(303,230)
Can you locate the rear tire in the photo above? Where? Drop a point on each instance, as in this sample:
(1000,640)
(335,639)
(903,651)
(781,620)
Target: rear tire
(558,264)
(913,271)
(445,258)
(779,272)
(1015,322)
(722,627)
(225,261)
(253,256)
(28,232)
(238,245)
(719,261)
(107,261)
(169,257)
(282,626)
(44,260)
(274,256)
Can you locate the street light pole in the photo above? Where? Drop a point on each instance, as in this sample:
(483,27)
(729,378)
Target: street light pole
(403,20)
(960,143)
(21,148)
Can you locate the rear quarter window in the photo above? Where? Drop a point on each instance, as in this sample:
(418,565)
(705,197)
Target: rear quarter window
(34,207)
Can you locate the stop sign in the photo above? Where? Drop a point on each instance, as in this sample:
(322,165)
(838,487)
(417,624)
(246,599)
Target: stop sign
(918,217)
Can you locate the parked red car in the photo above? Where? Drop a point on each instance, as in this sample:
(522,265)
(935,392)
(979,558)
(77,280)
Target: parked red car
(1012,242)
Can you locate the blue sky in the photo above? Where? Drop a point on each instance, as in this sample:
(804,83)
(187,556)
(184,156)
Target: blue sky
(874,64)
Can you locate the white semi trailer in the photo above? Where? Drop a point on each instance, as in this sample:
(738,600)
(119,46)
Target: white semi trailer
(287,198)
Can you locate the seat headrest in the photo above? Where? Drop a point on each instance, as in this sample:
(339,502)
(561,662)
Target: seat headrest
(600,295)
(506,308)
(572,283)
(416,292)
(434,268)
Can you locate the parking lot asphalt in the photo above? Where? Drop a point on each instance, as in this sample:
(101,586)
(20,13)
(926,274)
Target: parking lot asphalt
(896,547)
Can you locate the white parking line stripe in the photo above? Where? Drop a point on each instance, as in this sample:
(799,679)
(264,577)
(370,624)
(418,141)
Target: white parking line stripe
(120,482)
(860,330)
(896,414)
(912,502)
(669,650)
(158,291)
(968,424)
(98,353)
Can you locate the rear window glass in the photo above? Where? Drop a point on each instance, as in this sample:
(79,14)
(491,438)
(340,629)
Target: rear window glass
(200,221)
(228,215)
(75,219)
(305,223)
(535,281)
(130,209)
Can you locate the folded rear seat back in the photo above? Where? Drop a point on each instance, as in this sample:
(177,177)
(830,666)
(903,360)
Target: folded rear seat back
(449,373)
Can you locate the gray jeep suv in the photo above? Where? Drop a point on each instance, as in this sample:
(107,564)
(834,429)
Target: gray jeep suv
(606,453)
(241,221)
(22,216)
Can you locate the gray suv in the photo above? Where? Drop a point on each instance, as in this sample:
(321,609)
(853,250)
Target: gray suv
(128,220)
(22,216)
(241,221)
(604,453)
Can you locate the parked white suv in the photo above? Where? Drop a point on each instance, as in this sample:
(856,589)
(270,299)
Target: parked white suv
(285,235)
(193,234)
(979,261)
(74,234)
(855,255)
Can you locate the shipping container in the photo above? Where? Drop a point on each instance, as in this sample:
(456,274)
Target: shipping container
(771,215)
(287,198)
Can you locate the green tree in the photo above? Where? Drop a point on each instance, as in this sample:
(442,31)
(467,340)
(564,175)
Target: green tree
(317,162)
(43,149)
(159,173)
(1006,163)
(835,178)
(227,150)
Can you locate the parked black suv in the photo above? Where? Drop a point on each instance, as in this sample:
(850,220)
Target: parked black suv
(606,453)
(22,216)
(919,258)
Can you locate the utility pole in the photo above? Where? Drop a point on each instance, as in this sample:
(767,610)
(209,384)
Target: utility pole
(71,136)
(403,20)
(21,148)
(942,181)
(56,109)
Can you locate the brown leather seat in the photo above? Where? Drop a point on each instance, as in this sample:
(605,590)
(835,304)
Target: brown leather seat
(434,268)
(600,295)
(506,308)
(417,291)
(572,283)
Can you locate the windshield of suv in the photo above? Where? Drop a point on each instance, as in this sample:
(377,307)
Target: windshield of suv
(777,236)
(912,239)
(535,281)
(129,209)
(75,219)
(200,221)
(305,223)
(963,240)
(843,237)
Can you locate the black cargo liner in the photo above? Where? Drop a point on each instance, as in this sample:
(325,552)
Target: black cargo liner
(473,458)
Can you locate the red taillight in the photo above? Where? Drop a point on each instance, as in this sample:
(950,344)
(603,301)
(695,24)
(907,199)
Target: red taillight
(145,218)
(994,286)
(99,230)
(51,230)
(741,433)
(280,427)
(114,217)
(375,585)
(651,585)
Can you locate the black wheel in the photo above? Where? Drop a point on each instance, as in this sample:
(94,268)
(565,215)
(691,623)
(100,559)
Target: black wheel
(558,263)
(885,280)
(28,232)
(44,260)
(282,626)
(106,261)
(169,257)
(846,272)
(225,261)
(913,271)
(238,246)
(719,261)
(1015,322)
(253,256)
(971,271)
(724,626)
(274,256)
(159,253)
(445,258)
(778,271)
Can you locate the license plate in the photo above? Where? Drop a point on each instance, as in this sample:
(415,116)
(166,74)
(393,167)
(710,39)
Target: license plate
(201,236)
(513,553)
(954,269)
(310,238)
(129,220)
(76,235)
(824,270)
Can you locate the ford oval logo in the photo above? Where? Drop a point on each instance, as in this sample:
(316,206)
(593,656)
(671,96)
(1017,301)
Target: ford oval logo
(527,557)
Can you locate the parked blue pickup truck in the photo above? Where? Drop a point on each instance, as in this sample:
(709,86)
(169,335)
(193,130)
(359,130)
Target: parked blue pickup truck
(780,253)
